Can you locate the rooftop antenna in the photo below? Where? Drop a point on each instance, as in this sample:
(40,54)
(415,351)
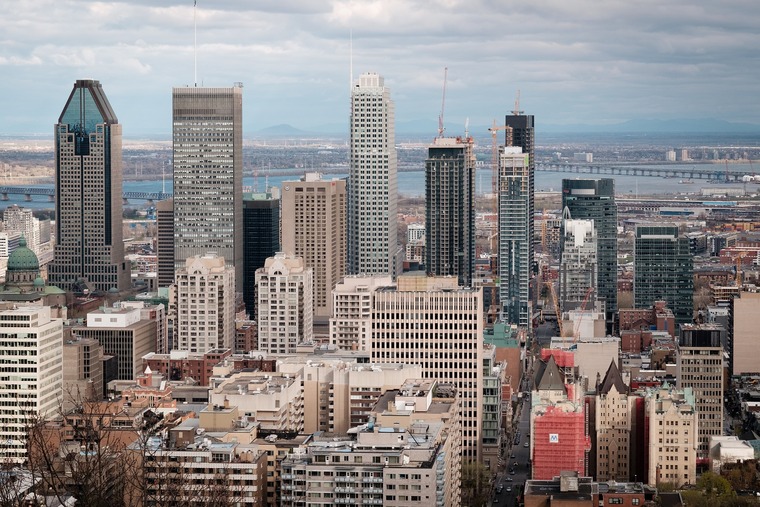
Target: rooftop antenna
(517,111)
(441,128)
(195,44)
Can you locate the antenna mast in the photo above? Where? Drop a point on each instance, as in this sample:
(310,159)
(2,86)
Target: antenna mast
(195,44)
(443,103)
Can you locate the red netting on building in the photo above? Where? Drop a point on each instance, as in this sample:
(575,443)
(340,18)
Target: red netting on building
(563,358)
(559,443)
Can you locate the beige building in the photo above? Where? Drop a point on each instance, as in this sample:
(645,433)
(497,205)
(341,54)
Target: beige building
(614,409)
(673,425)
(82,371)
(409,455)
(432,322)
(592,356)
(203,305)
(284,301)
(351,321)
(313,214)
(745,355)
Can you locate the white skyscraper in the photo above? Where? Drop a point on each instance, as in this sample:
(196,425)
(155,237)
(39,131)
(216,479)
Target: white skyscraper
(372,182)
(578,268)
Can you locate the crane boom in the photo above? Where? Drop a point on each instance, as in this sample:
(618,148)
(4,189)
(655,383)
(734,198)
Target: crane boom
(443,103)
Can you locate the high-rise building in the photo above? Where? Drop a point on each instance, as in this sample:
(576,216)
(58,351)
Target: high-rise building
(351,322)
(261,239)
(204,305)
(699,366)
(578,268)
(433,322)
(16,218)
(663,270)
(595,200)
(744,354)
(314,228)
(284,293)
(165,242)
(31,349)
(450,209)
(613,436)
(89,250)
(372,181)
(207,139)
(515,235)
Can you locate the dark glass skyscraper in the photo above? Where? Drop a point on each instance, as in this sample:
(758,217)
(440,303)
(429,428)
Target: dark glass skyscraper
(450,209)
(89,250)
(595,200)
(261,239)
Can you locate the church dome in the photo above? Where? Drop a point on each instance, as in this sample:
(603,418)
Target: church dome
(23,258)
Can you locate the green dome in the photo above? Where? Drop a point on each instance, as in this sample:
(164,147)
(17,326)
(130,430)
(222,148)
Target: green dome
(23,259)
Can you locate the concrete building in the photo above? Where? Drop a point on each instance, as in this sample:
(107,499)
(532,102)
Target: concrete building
(123,334)
(432,322)
(595,200)
(578,268)
(185,366)
(203,308)
(31,348)
(415,243)
(165,242)
(89,250)
(492,433)
(314,228)
(82,371)
(515,235)
(372,180)
(155,312)
(673,425)
(22,220)
(207,140)
(450,209)
(700,367)
(261,239)
(745,354)
(728,449)
(351,321)
(284,303)
(663,270)
(568,488)
(591,356)
(613,417)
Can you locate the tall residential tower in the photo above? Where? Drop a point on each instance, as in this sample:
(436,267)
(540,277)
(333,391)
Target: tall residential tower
(89,250)
(372,180)
(208,175)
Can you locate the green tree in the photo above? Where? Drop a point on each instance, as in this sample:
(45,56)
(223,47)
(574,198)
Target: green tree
(476,484)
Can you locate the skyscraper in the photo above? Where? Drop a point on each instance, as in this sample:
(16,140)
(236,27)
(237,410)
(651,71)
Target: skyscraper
(261,239)
(165,242)
(663,270)
(450,209)
(372,181)
(578,269)
(595,200)
(89,250)
(314,227)
(515,235)
(207,139)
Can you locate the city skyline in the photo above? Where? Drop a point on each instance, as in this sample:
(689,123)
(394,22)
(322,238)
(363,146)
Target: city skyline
(573,63)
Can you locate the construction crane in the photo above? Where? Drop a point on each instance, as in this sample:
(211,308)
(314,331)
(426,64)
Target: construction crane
(443,103)
(577,328)
(495,160)
(553,294)
(739,268)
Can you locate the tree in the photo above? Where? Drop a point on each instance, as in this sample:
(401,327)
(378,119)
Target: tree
(476,484)
(712,490)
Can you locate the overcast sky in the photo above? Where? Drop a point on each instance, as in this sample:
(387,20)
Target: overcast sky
(574,61)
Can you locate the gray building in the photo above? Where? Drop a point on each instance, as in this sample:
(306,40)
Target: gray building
(595,200)
(207,140)
(89,250)
(450,209)
(165,242)
(261,240)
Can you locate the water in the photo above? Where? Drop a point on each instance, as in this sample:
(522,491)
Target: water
(412,184)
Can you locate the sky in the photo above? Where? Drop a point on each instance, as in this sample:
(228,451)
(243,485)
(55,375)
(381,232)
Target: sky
(593,62)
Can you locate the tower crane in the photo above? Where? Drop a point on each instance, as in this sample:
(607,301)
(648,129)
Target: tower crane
(443,103)
(577,328)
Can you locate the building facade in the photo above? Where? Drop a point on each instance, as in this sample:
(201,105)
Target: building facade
(314,228)
(261,240)
(207,139)
(450,209)
(351,322)
(578,267)
(89,250)
(663,270)
(165,242)
(372,180)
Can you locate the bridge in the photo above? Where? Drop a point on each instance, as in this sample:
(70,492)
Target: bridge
(49,192)
(713,173)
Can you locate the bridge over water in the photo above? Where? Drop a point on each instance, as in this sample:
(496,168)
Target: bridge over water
(28,192)
(711,172)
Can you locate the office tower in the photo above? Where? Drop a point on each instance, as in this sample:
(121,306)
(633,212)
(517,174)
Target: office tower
(284,303)
(450,209)
(207,139)
(314,228)
(89,250)
(165,242)
(204,305)
(433,322)
(261,240)
(595,200)
(372,181)
(31,346)
(82,372)
(351,322)
(18,219)
(699,366)
(515,235)
(662,270)
(744,354)
(578,268)
(672,417)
